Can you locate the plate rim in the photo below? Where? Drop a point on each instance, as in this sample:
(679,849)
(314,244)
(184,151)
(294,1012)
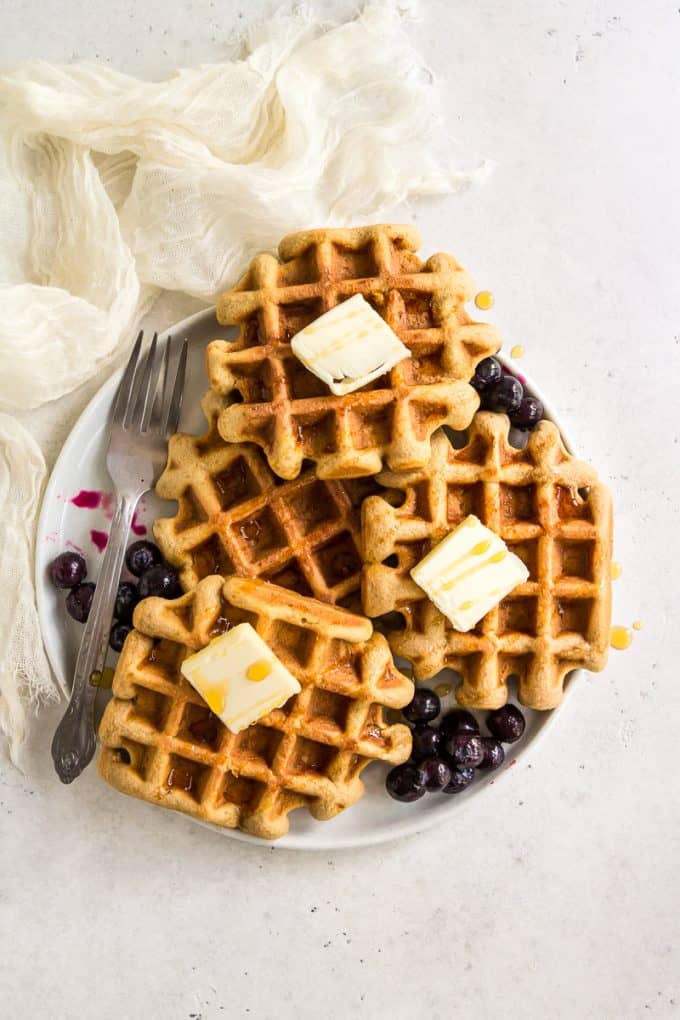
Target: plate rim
(291,841)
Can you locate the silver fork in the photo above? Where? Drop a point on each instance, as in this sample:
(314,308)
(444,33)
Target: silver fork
(145,414)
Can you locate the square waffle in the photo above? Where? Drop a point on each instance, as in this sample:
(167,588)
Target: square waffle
(161,742)
(290,413)
(236,517)
(551,510)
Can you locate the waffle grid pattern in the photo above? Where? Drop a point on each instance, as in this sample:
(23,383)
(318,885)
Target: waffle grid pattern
(161,743)
(286,410)
(557,621)
(235,517)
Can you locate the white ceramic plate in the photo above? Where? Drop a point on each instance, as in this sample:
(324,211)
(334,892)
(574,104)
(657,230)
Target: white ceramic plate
(81,467)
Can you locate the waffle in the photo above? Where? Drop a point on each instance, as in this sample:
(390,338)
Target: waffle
(290,413)
(161,742)
(534,498)
(235,517)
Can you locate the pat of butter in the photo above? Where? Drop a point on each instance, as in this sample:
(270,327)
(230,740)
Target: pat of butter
(239,677)
(349,346)
(468,573)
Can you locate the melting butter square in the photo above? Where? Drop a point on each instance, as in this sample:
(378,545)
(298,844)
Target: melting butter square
(468,573)
(239,677)
(349,346)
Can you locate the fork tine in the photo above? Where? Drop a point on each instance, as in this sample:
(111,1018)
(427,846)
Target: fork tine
(137,383)
(138,397)
(152,376)
(175,405)
(166,366)
(122,400)
(159,403)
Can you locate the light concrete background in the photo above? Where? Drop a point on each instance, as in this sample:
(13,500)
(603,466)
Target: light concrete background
(557,893)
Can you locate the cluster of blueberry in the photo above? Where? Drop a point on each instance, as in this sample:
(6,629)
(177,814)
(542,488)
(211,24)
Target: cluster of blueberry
(445,758)
(500,391)
(143,560)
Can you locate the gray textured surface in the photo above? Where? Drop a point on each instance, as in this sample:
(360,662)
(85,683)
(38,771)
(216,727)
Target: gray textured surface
(557,894)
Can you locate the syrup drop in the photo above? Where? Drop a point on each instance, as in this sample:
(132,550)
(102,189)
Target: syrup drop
(484,300)
(620,638)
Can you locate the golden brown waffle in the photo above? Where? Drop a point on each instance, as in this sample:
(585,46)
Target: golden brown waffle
(236,517)
(161,742)
(290,413)
(533,498)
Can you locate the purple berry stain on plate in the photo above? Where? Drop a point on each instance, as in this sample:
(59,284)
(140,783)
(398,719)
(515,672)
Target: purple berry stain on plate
(87,499)
(99,539)
(94,499)
(137,527)
(107,505)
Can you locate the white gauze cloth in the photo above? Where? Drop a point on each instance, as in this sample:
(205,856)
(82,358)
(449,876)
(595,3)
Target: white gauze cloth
(24,672)
(111,188)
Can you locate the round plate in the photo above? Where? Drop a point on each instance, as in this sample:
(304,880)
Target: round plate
(81,467)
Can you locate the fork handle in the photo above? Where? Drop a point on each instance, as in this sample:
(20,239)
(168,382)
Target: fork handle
(75,740)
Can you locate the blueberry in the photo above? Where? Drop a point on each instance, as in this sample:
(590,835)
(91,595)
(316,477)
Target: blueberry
(506,724)
(458,721)
(505,395)
(126,600)
(119,632)
(528,414)
(465,749)
(160,580)
(141,556)
(79,601)
(435,773)
(460,779)
(494,755)
(68,570)
(405,782)
(424,707)
(427,742)
(488,373)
